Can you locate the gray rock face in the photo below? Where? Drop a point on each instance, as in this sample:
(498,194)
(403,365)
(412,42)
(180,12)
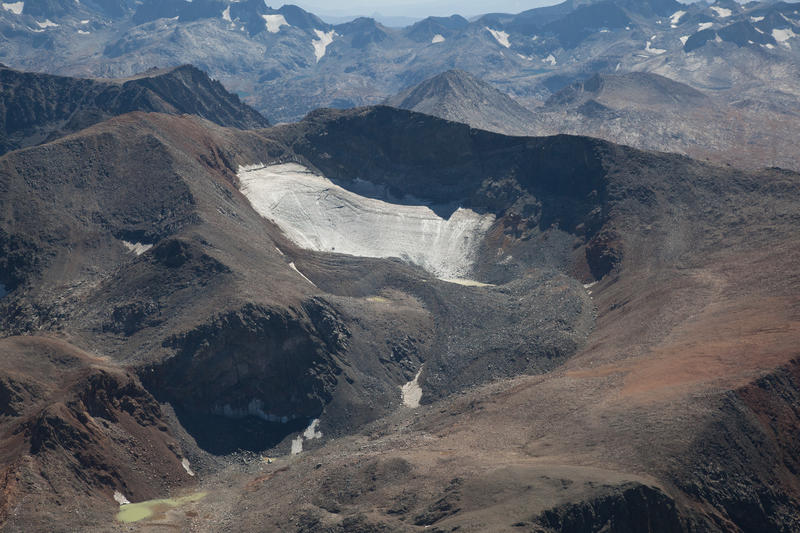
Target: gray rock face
(458,96)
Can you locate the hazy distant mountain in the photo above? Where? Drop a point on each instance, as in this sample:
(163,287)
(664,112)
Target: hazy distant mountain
(461,97)
(40,107)
(286,61)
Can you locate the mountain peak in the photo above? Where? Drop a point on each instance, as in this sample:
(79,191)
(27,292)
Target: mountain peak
(459,96)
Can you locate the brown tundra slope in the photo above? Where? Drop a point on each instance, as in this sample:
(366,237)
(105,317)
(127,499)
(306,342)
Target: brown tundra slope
(663,397)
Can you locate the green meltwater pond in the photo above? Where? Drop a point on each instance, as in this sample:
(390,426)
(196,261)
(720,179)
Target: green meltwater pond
(133,512)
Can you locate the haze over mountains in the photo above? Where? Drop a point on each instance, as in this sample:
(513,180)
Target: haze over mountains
(287,62)
(548,283)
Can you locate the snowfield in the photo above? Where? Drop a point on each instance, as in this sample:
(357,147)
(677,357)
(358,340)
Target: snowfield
(319,215)
(500,36)
(15,7)
(274,22)
(321,43)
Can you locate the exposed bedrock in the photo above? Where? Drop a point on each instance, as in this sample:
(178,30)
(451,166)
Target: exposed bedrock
(260,373)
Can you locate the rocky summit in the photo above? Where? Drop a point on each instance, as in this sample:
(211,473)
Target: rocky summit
(544,280)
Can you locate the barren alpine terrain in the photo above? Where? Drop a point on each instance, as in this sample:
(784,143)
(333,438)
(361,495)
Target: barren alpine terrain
(550,285)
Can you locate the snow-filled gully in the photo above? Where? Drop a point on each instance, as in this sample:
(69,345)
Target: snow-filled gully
(316,214)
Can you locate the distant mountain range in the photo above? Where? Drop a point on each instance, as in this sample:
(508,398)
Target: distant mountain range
(639,109)
(38,108)
(286,62)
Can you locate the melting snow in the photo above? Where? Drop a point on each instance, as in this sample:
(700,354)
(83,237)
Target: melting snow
(783,35)
(47,24)
(15,7)
(294,267)
(186,466)
(550,59)
(704,26)
(438,38)
(319,215)
(310,433)
(412,392)
(676,17)
(120,498)
(756,19)
(226,15)
(500,36)
(137,247)
(648,48)
(684,38)
(321,44)
(274,22)
(721,12)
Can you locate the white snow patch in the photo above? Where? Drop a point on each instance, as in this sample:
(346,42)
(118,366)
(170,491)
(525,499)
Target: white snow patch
(274,22)
(684,38)
(605,31)
(294,267)
(468,282)
(438,38)
(722,12)
(676,17)
(550,59)
(319,215)
(756,19)
(412,392)
(321,44)
(226,15)
(297,445)
(500,36)
(137,247)
(188,467)
(783,35)
(120,498)
(312,432)
(649,48)
(82,32)
(47,24)
(278,250)
(704,26)
(15,7)
(769,46)
(85,21)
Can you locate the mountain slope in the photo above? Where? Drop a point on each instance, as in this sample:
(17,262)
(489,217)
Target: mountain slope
(458,96)
(40,107)
(664,394)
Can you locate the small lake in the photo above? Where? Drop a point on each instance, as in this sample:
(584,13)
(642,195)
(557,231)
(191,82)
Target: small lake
(133,512)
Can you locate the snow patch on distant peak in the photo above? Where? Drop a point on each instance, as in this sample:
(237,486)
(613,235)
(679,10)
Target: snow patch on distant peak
(722,12)
(756,19)
(294,267)
(550,59)
(83,32)
(676,17)
(322,42)
(500,36)
(15,7)
(704,26)
(438,38)
(783,35)
(226,15)
(47,24)
(318,214)
(120,498)
(274,22)
(648,48)
(684,38)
